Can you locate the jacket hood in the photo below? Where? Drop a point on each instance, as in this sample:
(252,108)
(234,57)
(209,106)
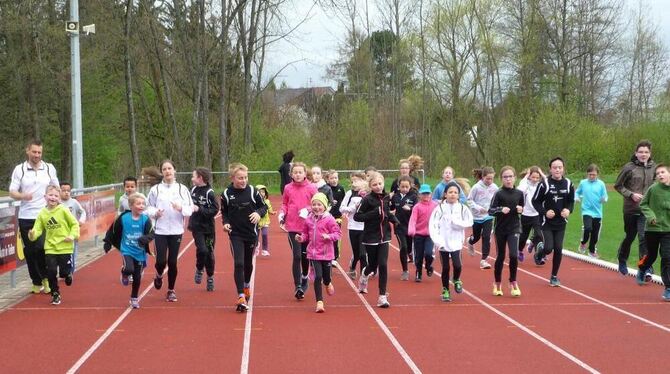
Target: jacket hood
(637,162)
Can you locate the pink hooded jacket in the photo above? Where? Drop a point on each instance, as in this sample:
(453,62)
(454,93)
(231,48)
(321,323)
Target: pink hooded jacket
(312,232)
(296,197)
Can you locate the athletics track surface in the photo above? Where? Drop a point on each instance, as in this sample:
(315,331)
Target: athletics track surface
(598,321)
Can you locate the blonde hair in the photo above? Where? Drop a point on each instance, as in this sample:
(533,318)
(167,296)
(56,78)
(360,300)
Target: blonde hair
(507,168)
(374,175)
(134,197)
(52,187)
(235,167)
(415,162)
(464,184)
(298,164)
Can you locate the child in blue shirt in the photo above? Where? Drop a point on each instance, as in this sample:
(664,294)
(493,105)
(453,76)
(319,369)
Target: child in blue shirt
(592,193)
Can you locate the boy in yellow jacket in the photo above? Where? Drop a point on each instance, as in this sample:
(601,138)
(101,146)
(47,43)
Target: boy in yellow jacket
(62,229)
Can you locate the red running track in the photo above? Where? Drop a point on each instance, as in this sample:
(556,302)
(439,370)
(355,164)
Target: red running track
(598,321)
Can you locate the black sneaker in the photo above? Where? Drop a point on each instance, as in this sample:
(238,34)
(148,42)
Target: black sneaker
(68,280)
(198,276)
(210,284)
(417,277)
(158,282)
(304,284)
(429,271)
(299,293)
(55,298)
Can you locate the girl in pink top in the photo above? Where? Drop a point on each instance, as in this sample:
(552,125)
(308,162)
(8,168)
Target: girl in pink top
(319,232)
(418,228)
(296,203)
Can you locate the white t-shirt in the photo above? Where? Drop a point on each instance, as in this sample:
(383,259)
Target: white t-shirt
(25,179)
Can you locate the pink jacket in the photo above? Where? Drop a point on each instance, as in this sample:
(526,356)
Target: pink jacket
(312,232)
(296,197)
(418,221)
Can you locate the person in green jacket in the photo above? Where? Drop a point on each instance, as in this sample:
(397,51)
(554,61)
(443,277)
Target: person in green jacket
(61,229)
(656,208)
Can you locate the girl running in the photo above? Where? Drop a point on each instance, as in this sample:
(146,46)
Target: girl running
(448,222)
(554,200)
(506,206)
(264,223)
(169,202)
(201,224)
(592,193)
(479,201)
(349,206)
(401,204)
(241,209)
(374,212)
(418,228)
(296,202)
(319,233)
(530,220)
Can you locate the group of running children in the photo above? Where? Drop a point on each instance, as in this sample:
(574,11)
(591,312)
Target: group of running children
(425,222)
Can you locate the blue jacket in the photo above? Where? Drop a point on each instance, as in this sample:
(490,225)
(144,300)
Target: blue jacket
(592,194)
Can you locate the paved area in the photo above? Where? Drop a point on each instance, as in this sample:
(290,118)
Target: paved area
(9,295)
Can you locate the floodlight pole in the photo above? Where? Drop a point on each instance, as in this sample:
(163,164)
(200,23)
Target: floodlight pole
(75,81)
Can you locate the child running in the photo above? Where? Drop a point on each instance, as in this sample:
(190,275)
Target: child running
(448,175)
(592,193)
(479,201)
(402,203)
(201,224)
(554,200)
(506,206)
(374,212)
(333,180)
(61,229)
(656,210)
(169,203)
(129,188)
(296,202)
(241,209)
(319,232)
(131,233)
(417,228)
(350,203)
(530,219)
(77,212)
(448,222)
(264,223)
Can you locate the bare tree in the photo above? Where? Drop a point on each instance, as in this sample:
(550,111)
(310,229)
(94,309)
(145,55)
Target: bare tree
(127,72)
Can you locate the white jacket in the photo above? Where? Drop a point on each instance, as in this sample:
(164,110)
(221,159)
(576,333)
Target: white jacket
(528,191)
(161,196)
(447,226)
(348,208)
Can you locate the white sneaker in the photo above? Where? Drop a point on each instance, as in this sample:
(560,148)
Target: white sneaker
(483,264)
(383,301)
(471,249)
(265,253)
(363,283)
(334,263)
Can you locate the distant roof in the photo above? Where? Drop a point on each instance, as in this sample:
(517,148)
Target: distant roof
(296,96)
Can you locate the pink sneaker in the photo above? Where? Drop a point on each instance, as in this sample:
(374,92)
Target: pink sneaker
(330,289)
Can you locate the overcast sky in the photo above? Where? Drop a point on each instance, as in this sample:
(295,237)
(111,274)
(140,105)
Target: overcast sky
(315,43)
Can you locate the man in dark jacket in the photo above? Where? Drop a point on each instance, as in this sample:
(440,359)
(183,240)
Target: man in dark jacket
(632,183)
(285,170)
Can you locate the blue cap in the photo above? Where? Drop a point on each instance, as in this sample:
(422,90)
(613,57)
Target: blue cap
(425,188)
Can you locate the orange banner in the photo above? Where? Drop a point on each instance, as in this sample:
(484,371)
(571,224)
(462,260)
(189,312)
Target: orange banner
(100,213)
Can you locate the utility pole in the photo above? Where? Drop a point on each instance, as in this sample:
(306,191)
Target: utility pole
(75,81)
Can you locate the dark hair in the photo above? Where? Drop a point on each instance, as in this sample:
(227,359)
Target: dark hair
(371,168)
(205,174)
(593,167)
(129,179)
(288,156)
(556,159)
(665,166)
(643,143)
(65,183)
(166,161)
(406,178)
(507,168)
(482,172)
(35,141)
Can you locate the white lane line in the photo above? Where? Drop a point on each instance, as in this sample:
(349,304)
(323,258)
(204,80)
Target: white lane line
(114,325)
(405,356)
(244,368)
(528,331)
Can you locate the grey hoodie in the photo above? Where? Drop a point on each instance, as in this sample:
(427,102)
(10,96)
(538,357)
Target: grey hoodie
(635,177)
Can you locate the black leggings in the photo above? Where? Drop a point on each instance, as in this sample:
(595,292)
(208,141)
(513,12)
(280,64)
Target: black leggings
(378,255)
(553,241)
(591,231)
(58,264)
(300,266)
(243,255)
(133,267)
(34,252)
(658,242)
(167,248)
(456,259)
(357,250)
(530,223)
(510,240)
(423,249)
(405,243)
(482,230)
(321,274)
(204,255)
(633,224)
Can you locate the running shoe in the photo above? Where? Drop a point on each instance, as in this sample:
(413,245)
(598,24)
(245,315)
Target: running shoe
(319,307)
(299,293)
(171,296)
(383,301)
(648,274)
(265,253)
(68,280)
(594,254)
(247,293)
(640,277)
(158,282)
(124,279)
(530,245)
(458,286)
(554,282)
(483,264)
(210,284)
(582,248)
(417,277)
(429,271)
(330,289)
(45,286)
(446,296)
(666,294)
(363,282)
(514,289)
(198,276)
(521,256)
(623,267)
(37,288)
(55,298)
(471,248)
(134,303)
(538,258)
(404,276)
(334,263)
(497,290)
(242,305)
(304,283)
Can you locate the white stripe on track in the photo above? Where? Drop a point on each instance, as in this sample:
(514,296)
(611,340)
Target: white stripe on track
(396,344)
(523,328)
(244,367)
(77,365)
